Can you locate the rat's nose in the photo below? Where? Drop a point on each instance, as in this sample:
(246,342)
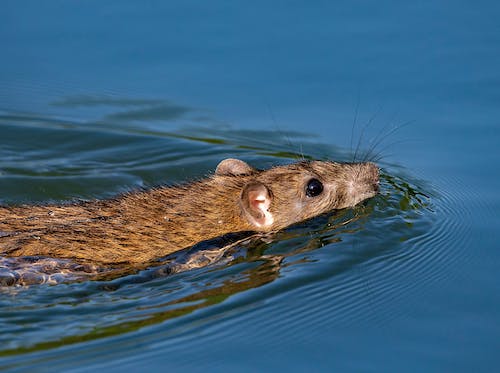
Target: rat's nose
(371,175)
(373,169)
(370,171)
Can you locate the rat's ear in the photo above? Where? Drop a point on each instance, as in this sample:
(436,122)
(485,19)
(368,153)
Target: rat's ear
(255,202)
(231,166)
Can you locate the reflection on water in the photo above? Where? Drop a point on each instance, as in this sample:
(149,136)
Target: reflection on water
(265,271)
(136,109)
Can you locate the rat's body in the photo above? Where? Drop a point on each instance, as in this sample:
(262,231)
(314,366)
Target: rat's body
(142,226)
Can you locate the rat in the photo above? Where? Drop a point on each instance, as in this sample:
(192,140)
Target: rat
(142,226)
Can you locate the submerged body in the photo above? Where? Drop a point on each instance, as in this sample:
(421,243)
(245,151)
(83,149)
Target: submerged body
(142,226)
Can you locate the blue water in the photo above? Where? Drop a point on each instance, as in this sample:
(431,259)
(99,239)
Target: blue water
(98,98)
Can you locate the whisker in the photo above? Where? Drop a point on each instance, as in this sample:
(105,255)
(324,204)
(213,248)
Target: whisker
(354,124)
(380,138)
(365,127)
(288,141)
(378,157)
(380,135)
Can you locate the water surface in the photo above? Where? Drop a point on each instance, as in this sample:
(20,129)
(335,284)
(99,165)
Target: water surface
(99,99)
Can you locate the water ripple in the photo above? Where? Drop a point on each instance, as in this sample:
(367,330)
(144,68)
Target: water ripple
(366,263)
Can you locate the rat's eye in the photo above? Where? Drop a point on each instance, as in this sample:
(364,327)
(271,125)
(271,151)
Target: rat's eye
(314,188)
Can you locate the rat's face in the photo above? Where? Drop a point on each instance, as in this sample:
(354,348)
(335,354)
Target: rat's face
(285,195)
(308,189)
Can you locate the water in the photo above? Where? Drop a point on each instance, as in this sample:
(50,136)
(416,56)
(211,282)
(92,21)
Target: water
(97,99)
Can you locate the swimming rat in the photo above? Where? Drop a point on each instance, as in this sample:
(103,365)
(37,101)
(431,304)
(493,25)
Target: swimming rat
(141,226)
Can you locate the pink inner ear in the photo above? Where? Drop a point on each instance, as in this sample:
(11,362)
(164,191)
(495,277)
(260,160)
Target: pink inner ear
(258,200)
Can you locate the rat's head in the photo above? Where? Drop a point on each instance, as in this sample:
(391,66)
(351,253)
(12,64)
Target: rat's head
(284,195)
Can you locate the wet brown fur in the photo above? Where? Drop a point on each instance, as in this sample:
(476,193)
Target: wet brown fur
(141,226)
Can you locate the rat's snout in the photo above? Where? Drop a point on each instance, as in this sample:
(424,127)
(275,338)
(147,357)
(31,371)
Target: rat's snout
(364,181)
(373,175)
(367,173)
